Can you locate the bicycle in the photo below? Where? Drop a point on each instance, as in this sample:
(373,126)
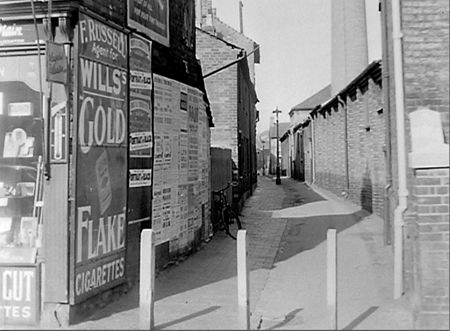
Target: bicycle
(228,217)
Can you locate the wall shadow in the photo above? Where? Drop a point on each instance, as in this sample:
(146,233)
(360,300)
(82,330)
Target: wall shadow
(366,192)
(298,193)
(360,318)
(302,234)
(187,317)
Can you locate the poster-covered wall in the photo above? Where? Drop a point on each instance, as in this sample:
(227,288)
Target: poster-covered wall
(102,116)
(181,163)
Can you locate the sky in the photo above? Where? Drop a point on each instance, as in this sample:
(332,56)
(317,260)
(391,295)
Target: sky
(295,44)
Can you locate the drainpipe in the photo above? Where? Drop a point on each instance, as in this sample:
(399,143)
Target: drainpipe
(401,150)
(387,117)
(347,172)
(313,170)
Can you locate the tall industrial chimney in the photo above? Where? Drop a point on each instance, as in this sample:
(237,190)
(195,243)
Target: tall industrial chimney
(349,54)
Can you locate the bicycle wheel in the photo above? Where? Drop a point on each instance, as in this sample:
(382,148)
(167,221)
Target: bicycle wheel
(232,222)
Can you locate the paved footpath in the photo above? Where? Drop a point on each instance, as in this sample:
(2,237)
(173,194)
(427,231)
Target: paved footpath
(287,278)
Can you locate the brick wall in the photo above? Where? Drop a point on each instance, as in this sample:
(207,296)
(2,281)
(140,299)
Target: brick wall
(231,35)
(222,90)
(425,29)
(431,245)
(307,137)
(330,150)
(366,132)
(366,140)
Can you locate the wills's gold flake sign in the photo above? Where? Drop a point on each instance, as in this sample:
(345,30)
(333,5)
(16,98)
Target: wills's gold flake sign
(102,117)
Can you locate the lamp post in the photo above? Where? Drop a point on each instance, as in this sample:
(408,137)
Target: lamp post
(278,179)
(263,159)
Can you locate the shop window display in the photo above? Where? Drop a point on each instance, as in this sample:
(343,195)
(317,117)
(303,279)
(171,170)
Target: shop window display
(21,132)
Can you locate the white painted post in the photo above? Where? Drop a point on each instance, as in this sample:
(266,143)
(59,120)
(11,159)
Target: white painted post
(243,281)
(332,277)
(147,281)
(2,313)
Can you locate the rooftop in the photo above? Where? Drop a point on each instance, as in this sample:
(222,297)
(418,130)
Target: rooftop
(314,100)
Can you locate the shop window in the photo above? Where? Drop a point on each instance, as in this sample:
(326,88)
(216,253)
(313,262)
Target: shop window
(21,131)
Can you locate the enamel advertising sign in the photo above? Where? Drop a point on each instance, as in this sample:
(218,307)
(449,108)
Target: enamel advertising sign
(102,143)
(56,63)
(18,299)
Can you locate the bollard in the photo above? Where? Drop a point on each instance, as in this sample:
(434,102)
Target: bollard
(332,278)
(243,281)
(147,281)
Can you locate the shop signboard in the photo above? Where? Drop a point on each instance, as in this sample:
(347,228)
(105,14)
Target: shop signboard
(18,295)
(101,170)
(56,63)
(150,17)
(19,34)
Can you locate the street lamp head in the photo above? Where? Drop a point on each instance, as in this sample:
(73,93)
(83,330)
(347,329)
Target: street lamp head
(276,111)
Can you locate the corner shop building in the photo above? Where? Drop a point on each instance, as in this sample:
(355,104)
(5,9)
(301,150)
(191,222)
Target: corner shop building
(105,144)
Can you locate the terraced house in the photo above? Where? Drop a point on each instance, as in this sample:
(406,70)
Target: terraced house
(228,59)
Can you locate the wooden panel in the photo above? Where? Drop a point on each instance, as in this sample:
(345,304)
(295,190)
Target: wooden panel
(56,235)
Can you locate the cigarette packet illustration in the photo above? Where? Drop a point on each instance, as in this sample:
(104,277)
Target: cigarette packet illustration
(103,182)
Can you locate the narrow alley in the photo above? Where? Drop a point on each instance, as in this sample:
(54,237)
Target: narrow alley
(286,226)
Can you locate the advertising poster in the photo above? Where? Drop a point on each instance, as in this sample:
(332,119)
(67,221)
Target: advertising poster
(163,127)
(193,136)
(150,17)
(140,130)
(140,178)
(204,168)
(175,218)
(157,206)
(18,299)
(162,189)
(102,144)
(141,84)
(166,208)
(183,135)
